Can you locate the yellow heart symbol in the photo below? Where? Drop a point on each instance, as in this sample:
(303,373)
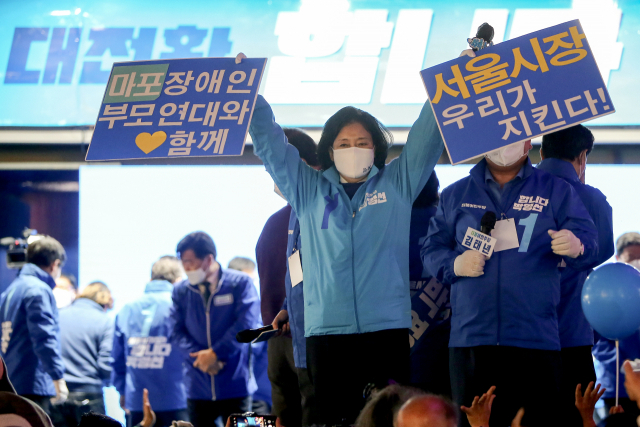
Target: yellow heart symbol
(147,142)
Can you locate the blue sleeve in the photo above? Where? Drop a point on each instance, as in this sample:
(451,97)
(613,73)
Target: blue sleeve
(411,170)
(247,315)
(573,216)
(119,359)
(284,305)
(180,336)
(44,331)
(104,350)
(439,251)
(602,215)
(295,179)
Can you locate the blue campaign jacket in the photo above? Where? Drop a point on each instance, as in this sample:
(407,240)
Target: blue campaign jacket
(574,328)
(86,337)
(604,351)
(233,307)
(430,305)
(356,251)
(259,364)
(31,333)
(294,302)
(514,302)
(143,356)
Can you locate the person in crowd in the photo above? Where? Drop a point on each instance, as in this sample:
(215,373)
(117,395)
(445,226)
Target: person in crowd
(430,306)
(209,309)
(504,308)
(632,382)
(382,408)
(94,419)
(354,219)
(291,388)
(604,350)
(564,154)
(86,337)
(16,410)
(143,356)
(261,399)
(66,290)
(30,342)
(427,411)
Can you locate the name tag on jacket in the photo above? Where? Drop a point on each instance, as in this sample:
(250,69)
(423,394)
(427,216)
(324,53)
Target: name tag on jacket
(225,299)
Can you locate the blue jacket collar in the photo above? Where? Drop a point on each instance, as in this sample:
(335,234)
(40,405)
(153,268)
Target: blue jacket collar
(478,171)
(86,302)
(333,176)
(158,286)
(37,272)
(560,168)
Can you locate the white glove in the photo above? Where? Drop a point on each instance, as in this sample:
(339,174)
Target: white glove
(469,264)
(62,392)
(564,242)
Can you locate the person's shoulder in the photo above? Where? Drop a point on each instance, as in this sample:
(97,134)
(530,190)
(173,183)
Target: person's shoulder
(236,278)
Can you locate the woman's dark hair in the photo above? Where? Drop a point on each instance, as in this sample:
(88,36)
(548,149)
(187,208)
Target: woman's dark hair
(199,242)
(429,194)
(382,138)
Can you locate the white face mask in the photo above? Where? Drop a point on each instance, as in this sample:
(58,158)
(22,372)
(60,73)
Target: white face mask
(506,156)
(63,297)
(353,162)
(278,192)
(196,276)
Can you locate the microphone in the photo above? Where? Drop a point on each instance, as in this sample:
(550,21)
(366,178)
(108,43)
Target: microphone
(487,222)
(249,335)
(483,38)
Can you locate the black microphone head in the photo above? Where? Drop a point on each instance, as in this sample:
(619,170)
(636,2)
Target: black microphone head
(488,220)
(249,335)
(485,32)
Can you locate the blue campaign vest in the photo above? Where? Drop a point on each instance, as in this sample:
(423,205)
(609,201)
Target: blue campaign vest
(574,328)
(514,302)
(143,355)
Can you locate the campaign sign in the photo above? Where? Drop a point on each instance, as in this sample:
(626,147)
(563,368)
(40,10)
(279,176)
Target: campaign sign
(516,90)
(176,108)
(479,242)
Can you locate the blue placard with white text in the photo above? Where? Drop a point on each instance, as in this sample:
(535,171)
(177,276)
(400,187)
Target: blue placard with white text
(176,108)
(516,90)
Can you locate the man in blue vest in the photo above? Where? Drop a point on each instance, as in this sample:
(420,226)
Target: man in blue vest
(504,326)
(564,154)
(209,309)
(30,326)
(142,355)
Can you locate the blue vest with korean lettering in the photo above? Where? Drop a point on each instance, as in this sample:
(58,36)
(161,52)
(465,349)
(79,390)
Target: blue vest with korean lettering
(574,328)
(142,355)
(514,302)
(430,308)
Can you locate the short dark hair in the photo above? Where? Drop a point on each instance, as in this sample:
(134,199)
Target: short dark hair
(429,194)
(627,239)
(199,242)
(382,408)
(93,419)
(306,146)
(44,251)
(381,136)
(567,144)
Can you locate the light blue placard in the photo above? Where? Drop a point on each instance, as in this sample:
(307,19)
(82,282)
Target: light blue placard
(516,90)
(176,108)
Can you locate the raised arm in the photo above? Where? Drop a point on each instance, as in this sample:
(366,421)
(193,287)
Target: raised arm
(412,169)
(293,177)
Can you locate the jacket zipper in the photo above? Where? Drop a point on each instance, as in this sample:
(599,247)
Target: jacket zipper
(353,275)
(208,316)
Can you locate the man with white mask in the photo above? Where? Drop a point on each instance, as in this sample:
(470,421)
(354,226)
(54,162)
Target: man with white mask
(354,217)
(504,326)
(209,309)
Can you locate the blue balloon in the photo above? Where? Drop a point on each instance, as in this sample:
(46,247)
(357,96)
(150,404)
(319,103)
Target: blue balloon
(611,300)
